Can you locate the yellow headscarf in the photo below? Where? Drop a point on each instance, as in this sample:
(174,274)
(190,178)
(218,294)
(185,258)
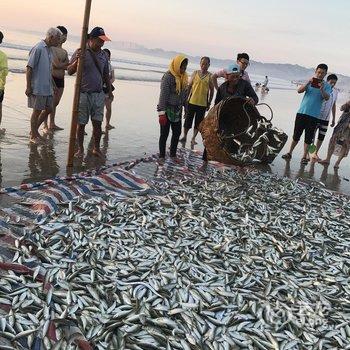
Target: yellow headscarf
(174,68)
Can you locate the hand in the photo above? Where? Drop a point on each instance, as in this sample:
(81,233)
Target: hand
(333,123)
(29,91)
(251,101)
(163,120)
(78,54)
(111,96)
(321,84)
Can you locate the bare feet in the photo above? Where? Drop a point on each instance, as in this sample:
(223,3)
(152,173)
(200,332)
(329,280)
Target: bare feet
(183,139)
(324,162)
(109,127)
(2,131)
(35,140)
(336,165)
(193,142)
(79,153)
(46,130)
(315,157)
(97,153)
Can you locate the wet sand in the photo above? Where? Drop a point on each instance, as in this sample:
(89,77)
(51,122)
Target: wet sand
(136,134)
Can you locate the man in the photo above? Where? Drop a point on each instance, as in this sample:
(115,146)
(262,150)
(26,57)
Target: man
(92,97)
(264,86)
(316,91)
(235,85)
(39,82)
(3,74)
(323,119)
(242,61)
(60,63)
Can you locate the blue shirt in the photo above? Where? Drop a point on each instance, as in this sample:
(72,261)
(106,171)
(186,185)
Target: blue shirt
(40,62)
(312,100)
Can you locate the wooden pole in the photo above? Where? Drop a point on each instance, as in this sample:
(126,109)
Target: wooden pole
(73,128)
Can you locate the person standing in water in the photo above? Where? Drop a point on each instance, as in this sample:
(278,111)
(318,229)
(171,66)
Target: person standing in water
(171,100)
(201,91)
(340,137)
(3,73)
(60,63)
(108,99)
(39,87)
(316,91)
(326,109)
(92,97)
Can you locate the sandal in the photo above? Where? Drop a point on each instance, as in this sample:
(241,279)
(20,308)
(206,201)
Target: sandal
(287,156)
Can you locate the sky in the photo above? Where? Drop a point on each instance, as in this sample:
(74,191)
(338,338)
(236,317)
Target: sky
(276,31)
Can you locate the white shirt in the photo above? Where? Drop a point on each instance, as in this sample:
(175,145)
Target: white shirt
(327,105)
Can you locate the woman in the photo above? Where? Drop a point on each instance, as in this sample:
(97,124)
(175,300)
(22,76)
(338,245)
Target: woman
(340,137)
(201,91)
(108,100)
(171,99)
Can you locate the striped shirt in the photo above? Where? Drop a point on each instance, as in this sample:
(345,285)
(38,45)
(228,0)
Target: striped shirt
(168,97)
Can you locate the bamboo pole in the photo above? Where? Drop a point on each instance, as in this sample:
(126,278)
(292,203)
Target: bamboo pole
(75,111)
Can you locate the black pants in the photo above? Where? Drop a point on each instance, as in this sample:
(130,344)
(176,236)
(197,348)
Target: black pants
(307,124)
(196,112)
(164,133)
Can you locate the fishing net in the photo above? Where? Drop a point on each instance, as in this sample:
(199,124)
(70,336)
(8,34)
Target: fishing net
(234,132)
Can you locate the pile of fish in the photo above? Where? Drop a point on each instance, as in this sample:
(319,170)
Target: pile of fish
(226,260)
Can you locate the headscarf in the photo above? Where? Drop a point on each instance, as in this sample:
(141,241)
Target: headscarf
(174,68)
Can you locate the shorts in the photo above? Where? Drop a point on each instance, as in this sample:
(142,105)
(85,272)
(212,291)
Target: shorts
(322,128)
(91,104)
(194,111)
(2,92)
(59,82)
(307,124)
(40,103)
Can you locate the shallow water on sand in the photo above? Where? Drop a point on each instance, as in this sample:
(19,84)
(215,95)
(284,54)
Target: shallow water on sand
(136,134)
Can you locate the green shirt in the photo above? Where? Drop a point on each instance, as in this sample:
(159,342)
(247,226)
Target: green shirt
(3,70)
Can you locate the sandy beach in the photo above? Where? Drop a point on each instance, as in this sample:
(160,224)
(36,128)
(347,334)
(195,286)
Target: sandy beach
(135,135)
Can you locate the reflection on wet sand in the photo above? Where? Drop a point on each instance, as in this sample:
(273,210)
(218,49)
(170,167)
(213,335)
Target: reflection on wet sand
(42,163)
(331,181)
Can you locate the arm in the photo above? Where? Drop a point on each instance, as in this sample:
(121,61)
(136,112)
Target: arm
(112,75)
(253,97)
(303,88)
(73,64)
(325,94)
(215,76)
(164,94)
(218,97)
(29,81)
(107,80)
(211,93)
(334,111)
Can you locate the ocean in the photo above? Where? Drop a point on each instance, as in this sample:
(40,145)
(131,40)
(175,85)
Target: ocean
(134,115)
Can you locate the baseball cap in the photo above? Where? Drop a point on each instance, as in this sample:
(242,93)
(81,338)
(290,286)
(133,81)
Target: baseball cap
(233,68)
(98,32)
